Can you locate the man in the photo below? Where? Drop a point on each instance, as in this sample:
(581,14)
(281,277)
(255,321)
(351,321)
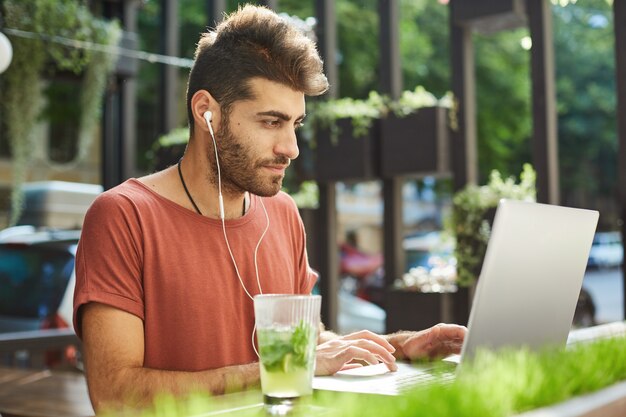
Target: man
(168,264)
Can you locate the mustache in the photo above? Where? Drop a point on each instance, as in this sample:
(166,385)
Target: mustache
(279,160)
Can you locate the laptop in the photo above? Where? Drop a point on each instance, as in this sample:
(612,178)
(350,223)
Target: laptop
(526,294)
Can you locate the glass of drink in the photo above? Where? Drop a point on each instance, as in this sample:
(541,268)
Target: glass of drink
(287,327)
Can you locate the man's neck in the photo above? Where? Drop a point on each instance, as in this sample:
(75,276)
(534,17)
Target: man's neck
(203,190)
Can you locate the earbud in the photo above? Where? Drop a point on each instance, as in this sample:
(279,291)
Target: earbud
(208,116)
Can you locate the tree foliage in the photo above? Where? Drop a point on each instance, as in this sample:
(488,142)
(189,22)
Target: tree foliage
(584,46)
(583,36)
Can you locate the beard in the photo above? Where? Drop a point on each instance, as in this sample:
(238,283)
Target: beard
(240,170)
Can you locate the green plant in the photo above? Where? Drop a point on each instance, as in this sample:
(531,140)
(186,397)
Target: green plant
(362,113)
(493,384)
(472,211)
(178,136)
(412,100)
(168,148)
(324,114)
(39,56)
(306,196)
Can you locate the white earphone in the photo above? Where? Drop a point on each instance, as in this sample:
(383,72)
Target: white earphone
(208,117)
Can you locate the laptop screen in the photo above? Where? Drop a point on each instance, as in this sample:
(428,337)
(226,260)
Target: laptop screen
(531,276)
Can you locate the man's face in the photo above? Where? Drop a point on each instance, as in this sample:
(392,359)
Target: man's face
(257,141)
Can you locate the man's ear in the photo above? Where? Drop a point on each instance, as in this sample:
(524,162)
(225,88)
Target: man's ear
(201,102)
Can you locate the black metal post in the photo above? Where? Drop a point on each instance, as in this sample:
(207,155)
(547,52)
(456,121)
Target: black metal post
(168,94)
(215,10)
(128,109)
(327,262)
(328,254)
(326,32)
(463,130)
(391,84)
(112,135)
(119,113)
(272,4)
(545,143)
(389,47)
(111,139)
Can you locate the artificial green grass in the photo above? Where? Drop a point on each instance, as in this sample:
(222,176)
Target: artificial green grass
(507,383)
(493,385)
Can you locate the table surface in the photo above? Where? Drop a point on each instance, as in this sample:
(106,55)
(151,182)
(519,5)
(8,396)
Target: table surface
(44,393)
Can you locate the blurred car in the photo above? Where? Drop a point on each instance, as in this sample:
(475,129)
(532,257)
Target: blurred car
(37,285)
(606,250)
(36,278)
(585,313)
(426,249)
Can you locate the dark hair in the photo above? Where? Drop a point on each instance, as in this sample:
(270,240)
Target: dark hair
(253,42)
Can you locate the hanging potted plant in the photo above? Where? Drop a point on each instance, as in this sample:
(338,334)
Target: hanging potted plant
(414,135)
(346,139)
(378,137)
(44,33)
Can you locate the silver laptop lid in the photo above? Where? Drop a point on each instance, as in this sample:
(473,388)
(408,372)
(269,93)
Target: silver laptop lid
(531,276)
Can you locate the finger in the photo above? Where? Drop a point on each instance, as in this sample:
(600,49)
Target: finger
(374,348)
(329,361)
(451,332)
(348,366)
(354,353)
(366,334)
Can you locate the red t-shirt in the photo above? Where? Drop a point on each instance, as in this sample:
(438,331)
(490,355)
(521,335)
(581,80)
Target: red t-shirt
(144,254)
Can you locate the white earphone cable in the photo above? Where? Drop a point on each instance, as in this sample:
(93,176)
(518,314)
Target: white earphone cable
(267,226)
(207,116)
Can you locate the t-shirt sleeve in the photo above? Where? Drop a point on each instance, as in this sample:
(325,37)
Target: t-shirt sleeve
(109,257)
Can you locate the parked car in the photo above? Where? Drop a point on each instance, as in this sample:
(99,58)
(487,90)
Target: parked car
(37,284)
(606,250)
(36,278)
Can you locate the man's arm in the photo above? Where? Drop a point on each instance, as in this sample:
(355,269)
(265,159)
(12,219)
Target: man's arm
(113,345)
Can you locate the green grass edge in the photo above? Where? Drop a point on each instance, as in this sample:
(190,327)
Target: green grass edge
(494,384)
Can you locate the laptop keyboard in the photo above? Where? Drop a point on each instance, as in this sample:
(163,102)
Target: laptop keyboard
(408,381)
(376,379)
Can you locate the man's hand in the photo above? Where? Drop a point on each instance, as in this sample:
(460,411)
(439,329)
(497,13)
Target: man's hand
(438,341)
(352,351)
